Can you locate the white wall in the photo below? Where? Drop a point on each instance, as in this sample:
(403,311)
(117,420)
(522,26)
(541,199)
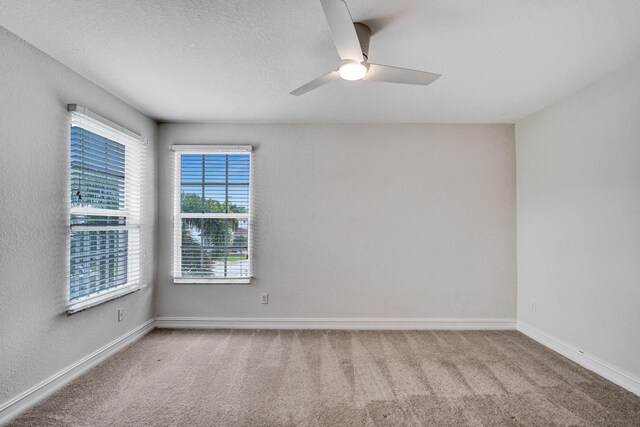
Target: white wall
(578,175)
(361,220)
(37,338)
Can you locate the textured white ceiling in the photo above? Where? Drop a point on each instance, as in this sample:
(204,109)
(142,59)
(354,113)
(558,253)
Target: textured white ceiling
(235,60)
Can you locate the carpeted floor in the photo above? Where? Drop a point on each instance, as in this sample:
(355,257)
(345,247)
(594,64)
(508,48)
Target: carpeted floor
(331,378)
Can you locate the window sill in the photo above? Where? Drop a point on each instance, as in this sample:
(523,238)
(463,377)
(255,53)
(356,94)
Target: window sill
(101,298)
(211,281)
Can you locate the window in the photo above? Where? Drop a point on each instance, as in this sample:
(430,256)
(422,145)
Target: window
(105,212)
(212,230)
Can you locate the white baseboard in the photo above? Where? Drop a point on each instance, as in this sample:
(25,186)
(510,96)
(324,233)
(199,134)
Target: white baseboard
(35,394)
(600,367)
(334,323)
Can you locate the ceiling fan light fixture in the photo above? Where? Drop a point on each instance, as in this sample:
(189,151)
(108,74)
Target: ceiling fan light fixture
(352,71)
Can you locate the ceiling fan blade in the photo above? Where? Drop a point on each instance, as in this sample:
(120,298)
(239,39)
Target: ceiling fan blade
(342,30)
(314,84)
(385,73)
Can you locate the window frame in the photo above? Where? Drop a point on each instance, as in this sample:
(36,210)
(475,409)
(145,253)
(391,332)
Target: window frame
(133,207)
(178,150)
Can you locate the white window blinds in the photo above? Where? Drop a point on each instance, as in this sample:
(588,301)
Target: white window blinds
(105,215)
(212,230)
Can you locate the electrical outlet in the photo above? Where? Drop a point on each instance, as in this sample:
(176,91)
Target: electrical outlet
(120,314)
(265,298)
(533,306)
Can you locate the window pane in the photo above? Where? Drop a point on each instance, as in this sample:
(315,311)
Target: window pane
(215,183)
(214,198)
(239,168)
(191,168)
(98,261)
(215,168)
(191,198)
(214,247)
(238,198)
(97,171)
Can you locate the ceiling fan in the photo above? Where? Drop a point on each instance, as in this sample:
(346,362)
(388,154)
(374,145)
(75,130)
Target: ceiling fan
(352,41)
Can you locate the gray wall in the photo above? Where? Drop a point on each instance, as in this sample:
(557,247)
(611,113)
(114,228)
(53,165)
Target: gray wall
(37,338)
(362,221)
(579,220)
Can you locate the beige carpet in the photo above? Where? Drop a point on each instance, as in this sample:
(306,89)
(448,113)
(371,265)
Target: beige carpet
(331,378)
